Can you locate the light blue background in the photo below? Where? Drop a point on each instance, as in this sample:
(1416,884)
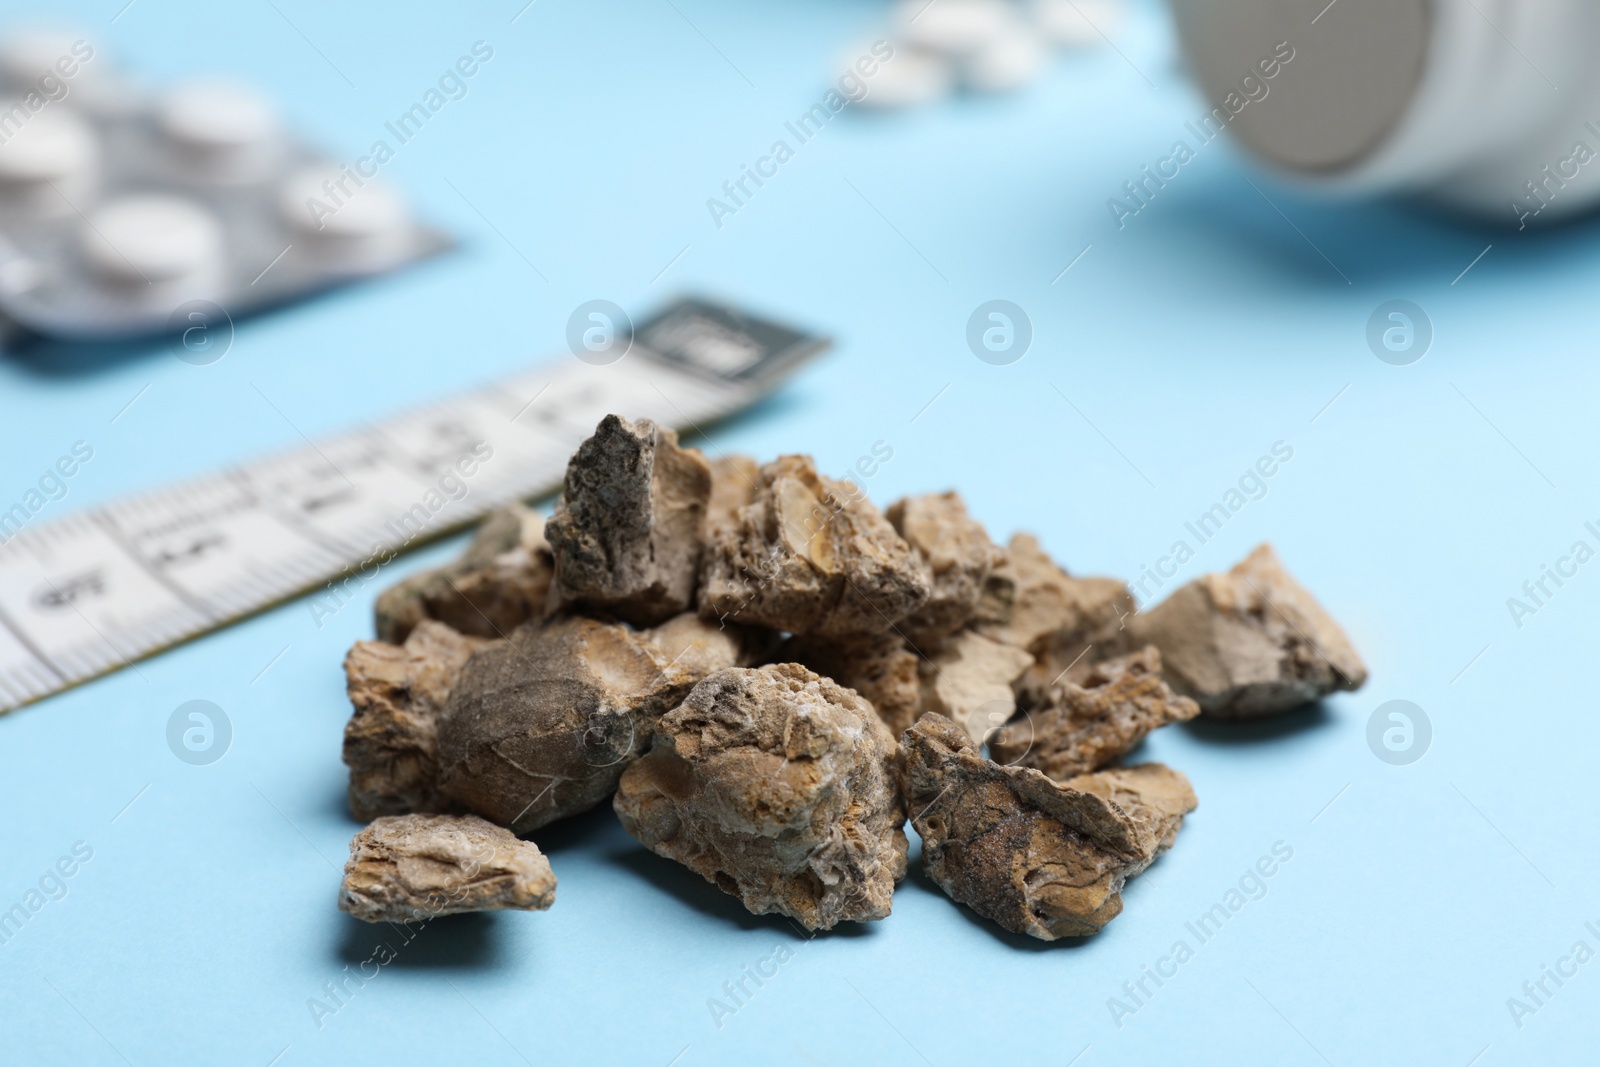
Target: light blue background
(1187,344)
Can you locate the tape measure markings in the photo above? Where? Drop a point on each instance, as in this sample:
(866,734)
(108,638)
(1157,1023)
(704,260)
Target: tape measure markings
(99,589)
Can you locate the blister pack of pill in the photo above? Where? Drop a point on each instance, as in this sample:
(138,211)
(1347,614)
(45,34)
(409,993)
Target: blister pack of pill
(126,210)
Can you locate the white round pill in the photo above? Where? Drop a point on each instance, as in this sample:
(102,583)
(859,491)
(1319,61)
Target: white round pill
(1075,23)
(1005,64)
(151,239)
(28,56)
(912,77)
(224,131)
(50,147)
(953,27)
(343,214)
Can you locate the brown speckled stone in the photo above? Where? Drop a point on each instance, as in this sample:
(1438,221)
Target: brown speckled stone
(406,868)
(1250,642)
(1042,595)
(540,726)
(809,555)
(501,581)
(1080,728)
(959,558)
(391,740)
(627,532)
(733,483)
(967,678)
(881,667)
(780,787)
(1038,857)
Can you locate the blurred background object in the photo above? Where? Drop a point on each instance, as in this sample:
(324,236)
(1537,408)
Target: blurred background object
(126,211)
(982,46)
(1482,105)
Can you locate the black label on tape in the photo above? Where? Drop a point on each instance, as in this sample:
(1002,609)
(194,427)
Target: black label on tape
(722,342)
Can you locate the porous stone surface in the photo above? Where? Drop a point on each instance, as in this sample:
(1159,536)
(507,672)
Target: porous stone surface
(1094,626)
(405,868)
(1047,602)
(967,678)
(959,559)
(541,725)
(881,667)
(702,646)
(778,786)
(809,555)
(627,532)
(1081,727)
(1249,642)
(398,693)
(501,581)
(1038,857)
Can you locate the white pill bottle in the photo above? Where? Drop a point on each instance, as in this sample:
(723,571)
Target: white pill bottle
(1488,106)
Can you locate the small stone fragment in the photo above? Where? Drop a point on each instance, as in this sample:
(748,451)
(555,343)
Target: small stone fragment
(1068,623)
(628,530)
(1250,642)
(958,556)
(391,740)
(780,787)
(1153,797)
(540,726)
(967,679)
(501,581)
(1039,858)
(1049,602)
(810,555)
(1081,727)
(405,868)
(1094,626)
(880,667)
(701,647)
(733,483)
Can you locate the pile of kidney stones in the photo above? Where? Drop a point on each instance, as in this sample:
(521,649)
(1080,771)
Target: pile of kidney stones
(766,676)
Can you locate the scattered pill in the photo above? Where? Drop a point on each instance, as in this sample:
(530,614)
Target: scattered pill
(954,27)
(913,77)
(1075,23)
(982,46)
(1007,63)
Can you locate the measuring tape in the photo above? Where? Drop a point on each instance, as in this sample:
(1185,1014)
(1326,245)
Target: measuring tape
(93,592)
